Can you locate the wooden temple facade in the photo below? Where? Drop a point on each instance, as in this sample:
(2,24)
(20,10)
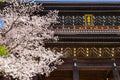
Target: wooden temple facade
(89,37)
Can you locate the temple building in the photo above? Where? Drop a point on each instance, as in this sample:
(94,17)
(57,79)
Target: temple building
(89,37)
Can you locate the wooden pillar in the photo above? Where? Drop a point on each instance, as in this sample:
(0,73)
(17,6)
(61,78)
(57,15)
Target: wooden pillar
(75,70)
(115,71)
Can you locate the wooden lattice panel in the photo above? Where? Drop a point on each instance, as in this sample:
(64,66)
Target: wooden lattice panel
(92,52)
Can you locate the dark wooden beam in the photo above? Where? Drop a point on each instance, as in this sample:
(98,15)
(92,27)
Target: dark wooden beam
(90,64)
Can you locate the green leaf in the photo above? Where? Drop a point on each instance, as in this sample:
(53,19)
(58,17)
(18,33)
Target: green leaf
(1,0)
(3,51)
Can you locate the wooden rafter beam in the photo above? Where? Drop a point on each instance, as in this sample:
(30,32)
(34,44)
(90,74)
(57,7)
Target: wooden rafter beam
(90,64)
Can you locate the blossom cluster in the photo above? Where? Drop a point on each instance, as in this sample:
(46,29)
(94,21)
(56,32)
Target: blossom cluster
(23,36)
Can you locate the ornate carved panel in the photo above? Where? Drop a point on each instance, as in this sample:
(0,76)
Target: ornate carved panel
(92,52)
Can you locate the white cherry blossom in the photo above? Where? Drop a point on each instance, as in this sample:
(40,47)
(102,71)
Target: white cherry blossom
(24,38)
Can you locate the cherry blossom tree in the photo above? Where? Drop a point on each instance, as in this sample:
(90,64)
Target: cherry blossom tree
(23,38)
